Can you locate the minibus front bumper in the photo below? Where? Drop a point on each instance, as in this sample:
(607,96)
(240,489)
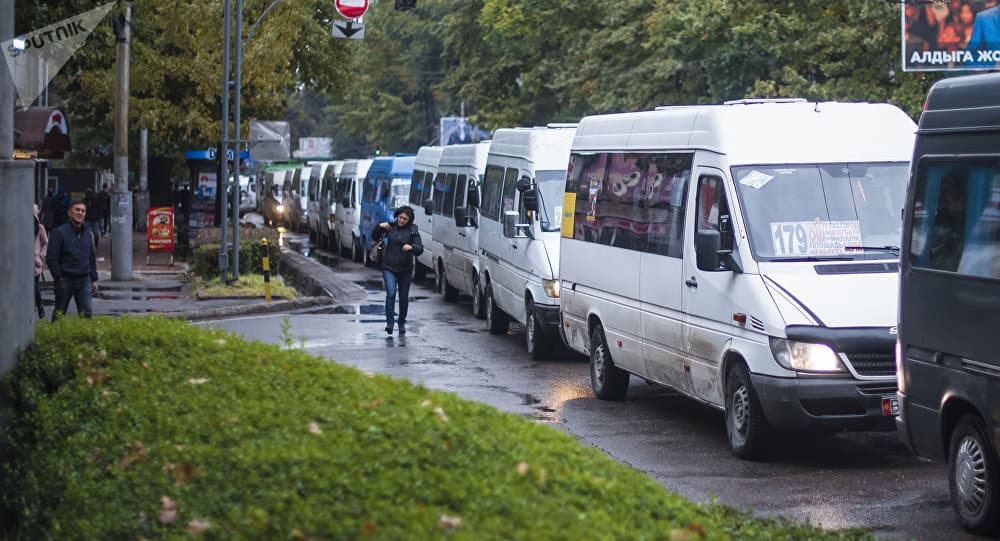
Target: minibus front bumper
(548,317)
(827,403)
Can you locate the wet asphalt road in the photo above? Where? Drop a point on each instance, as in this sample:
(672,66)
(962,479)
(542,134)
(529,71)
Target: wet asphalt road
(866,480)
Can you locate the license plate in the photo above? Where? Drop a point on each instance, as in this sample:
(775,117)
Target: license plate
(890,406)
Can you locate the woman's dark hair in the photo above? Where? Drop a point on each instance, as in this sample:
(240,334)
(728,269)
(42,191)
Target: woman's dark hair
(405,209)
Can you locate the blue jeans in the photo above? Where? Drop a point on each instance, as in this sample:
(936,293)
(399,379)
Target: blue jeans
(73,287)
(394,281)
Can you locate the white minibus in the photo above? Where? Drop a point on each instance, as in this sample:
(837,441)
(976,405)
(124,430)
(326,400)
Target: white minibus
(347,222)
(421,191)
(519,231)
(743,254)
(455,241)
(316,175)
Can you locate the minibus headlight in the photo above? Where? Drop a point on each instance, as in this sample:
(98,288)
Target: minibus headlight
(805,357)
(551,287)
(280,209)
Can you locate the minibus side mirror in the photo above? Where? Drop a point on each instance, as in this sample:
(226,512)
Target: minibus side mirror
(512,229)
(428,207)
(710,255)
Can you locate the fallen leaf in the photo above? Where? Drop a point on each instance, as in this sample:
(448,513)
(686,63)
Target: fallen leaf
(449,523)
(97,376)
(168,511)
(426,404)
(138,453)
(368,528)
(368,374)
(299,534)
(440,414)
(371,405)
(262,360)
(522,468)
(141,517)
(315,429)
(145,365)
(221,342)
(198,381)
(198,527)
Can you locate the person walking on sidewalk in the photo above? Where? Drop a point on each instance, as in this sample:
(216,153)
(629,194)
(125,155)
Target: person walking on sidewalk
(41,243)
(104,209)
(402,243)
(72,260)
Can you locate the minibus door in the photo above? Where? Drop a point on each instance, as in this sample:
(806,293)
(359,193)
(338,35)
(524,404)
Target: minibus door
(708,308)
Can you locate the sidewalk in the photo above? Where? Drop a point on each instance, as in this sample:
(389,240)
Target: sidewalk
(159,288)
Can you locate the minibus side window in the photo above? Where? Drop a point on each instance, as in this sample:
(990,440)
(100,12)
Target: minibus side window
(415,187)
(460,189)
(449,195)
(427,188)
(439,188)
(712,211)
(956,217)
(509,190)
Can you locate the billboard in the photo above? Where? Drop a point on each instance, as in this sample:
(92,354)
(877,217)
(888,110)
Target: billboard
(951,35)
(456,130)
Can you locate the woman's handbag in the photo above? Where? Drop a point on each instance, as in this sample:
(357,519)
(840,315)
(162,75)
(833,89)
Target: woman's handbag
(375,254)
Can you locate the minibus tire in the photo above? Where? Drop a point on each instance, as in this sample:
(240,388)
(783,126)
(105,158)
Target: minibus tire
(607,380)
(496,320)
(534,337)
(746,427)
(478,306)
(357,254)
(971,448)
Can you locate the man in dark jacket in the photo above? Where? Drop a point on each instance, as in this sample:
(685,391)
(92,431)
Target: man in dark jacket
(72,260)
(402,243)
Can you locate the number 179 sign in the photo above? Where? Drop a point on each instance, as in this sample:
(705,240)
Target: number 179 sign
(351,9)
(814,238)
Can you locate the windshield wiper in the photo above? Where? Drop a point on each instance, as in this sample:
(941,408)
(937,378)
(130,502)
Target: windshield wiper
(894,250)
(813,258)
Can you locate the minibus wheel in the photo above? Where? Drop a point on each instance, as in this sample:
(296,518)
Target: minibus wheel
(478,308)
(746,426)
(608,381)
(496,320)
(534,336)
(357,254)
(972,476)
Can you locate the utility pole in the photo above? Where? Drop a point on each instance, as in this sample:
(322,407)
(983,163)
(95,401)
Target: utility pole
(224,155)
(17,319)
(236,148)
(143,197)
(121,198)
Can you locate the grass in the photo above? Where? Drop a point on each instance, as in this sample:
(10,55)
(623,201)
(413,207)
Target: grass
(248,285)
(149,428)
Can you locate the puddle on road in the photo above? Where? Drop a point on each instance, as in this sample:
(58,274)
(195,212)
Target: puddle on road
(370,285)
(362,309)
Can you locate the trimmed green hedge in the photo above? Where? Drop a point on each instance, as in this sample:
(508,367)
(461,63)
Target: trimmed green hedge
(150,428)
(206,258)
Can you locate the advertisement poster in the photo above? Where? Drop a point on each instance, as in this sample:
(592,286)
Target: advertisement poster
(160,229)
(951,35)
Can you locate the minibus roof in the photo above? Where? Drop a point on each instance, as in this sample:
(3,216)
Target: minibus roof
(546,147)
(428,157)
(969,103)
(759,131)
(470,155)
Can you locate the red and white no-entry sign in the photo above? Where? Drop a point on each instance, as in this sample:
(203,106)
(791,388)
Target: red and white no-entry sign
(351,9)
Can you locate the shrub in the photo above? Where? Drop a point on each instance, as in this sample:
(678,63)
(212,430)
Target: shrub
(206,258)
(149,428)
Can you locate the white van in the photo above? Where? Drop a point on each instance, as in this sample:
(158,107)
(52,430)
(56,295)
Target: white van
(744,254)
(455,241)
(347,222)
(519,231)
(313,198)
(421,191)
(327,207)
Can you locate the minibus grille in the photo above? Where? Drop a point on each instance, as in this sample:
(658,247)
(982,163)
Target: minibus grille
(873,364)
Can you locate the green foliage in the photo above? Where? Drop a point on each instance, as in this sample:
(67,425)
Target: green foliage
(149,428)
(175,69)
(206,258)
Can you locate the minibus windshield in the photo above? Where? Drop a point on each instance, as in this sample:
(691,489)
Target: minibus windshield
(551,185)
(824,210)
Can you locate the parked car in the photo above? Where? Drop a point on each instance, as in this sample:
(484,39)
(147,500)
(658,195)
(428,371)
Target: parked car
(948,367)
(743,254)
(296,198)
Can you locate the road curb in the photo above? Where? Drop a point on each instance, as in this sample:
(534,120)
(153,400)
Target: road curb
(318,280)
(251,309)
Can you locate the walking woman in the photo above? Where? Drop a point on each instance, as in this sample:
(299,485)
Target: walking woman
(41,246)
(402,244)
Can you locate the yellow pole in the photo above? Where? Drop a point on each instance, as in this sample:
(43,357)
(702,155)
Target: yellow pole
(267,273)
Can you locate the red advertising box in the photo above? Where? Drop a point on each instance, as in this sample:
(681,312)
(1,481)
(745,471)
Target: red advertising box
(160,229)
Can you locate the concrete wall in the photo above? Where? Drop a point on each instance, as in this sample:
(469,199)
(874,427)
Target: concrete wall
(17,316)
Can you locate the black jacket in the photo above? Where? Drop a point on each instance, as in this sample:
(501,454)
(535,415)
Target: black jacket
(393,257)
(71,252)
